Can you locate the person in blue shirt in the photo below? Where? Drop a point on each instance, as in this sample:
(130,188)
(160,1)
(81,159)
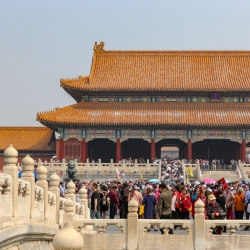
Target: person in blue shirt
(247,200)
(34,172)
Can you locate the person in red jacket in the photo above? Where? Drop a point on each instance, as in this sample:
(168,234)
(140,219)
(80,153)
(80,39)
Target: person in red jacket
(185,204)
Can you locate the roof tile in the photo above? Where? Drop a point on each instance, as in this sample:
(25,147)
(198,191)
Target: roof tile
(166,71)
(173,114)
(26,138)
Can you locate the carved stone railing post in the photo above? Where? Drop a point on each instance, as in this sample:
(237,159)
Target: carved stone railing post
(51,165)
(84,201)
(28,175)
(111,167)
(42,182)
(69,211)
(123,165)
(199,225)
(54,182)
(88,229)
(10,167)
(132,237)
(99,164)
(71,192)
(68,239)
(64,165)
(147,165)
(184,170)
(87,164)
(159,170)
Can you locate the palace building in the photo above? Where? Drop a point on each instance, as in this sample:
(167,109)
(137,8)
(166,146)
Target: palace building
(133,103)
(38,142)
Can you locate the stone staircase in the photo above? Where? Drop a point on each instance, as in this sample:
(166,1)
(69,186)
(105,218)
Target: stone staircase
(216,175)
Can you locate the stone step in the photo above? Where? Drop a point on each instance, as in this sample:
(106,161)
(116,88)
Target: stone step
(216,175)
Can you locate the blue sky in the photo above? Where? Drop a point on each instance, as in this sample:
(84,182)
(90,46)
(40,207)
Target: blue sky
(43,41)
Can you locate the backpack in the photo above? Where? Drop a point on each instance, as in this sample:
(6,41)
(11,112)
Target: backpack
(104,201)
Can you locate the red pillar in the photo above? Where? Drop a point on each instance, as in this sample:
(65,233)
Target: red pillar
(83,150)
(61,154)
(57,149)
(152,148)
(243,150)
(118,150)
(189,150)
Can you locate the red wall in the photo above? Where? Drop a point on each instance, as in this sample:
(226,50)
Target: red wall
(72,149)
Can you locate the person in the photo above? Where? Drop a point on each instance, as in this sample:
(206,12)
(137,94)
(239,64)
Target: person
(247,201)
(77,196)
(34,172)
(95,203)
(185,204)
(104,202)
(89,192)
(124,201)
(221,200)
(194,197)
(62,189)
(229,202)
(239,204)
(164,204)
(177,193)
(149,201)
(113,202)
(136,195)
(214,212)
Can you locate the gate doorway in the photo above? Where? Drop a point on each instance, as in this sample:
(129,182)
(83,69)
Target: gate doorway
(103,149)
(170,153)
(175,148)
(136,149)
(211,149)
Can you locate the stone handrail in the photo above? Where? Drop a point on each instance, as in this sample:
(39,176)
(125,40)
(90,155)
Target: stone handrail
(101,225)
(105,169)
(133,234)
(194,168)
(242,170)
(97,165)
(27,206)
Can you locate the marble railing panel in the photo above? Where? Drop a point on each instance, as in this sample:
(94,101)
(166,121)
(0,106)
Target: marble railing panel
(6,204)
(23,198)
(39,203)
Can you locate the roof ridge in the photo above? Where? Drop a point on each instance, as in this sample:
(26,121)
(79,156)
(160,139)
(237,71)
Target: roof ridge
(210,52)
(24,127)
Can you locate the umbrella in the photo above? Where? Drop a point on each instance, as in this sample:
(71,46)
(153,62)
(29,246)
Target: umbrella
(208,181)
(154,180)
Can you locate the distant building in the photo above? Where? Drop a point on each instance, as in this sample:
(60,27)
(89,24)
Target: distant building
(133,103)
(38,142)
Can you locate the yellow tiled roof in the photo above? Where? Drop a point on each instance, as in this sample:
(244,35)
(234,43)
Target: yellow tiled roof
(152,114)
(26,138)
(166,71)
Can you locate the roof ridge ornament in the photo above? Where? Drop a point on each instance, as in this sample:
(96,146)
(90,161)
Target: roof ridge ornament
(99,48)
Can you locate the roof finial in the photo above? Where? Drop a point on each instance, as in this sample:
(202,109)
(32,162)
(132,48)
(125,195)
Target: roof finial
(99,48)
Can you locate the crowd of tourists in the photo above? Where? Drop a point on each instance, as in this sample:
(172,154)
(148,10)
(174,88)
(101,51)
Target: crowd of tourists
(171,170)
(161,201)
